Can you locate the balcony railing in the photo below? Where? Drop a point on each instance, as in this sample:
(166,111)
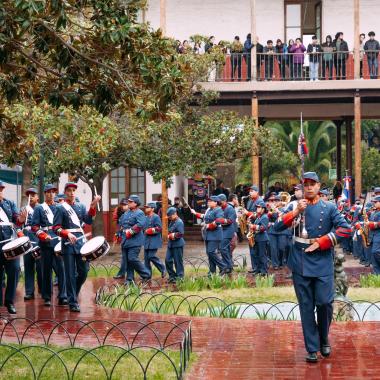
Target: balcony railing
(295,67)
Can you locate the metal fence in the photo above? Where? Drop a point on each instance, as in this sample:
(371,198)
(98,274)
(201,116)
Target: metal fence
(34,345)
(272,66)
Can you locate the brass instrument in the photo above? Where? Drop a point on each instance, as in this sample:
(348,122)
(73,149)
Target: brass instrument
(285,197)
(251,234)
(364,232)
(242,218)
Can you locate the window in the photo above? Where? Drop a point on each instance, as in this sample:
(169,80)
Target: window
(318,21)
(137,183)
(118,184)
(292,21)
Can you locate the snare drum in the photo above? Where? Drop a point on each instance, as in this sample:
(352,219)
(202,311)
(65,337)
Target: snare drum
(95,248)
(36,252)
(17,248)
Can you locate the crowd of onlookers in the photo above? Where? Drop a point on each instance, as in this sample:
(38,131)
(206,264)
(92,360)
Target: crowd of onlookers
(325,60)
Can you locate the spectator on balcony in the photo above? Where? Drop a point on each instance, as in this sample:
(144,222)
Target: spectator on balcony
(361,39)
(298,50)
(198,49)
(290,61)
(327,58)
(314,50)
(236,58)
(268,60)
(185,47)
(247,54)
(341,54)
(371,49)
(281,51)
(259,59)
(209,44)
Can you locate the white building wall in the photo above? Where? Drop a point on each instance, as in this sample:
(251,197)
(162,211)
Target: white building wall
(178,187)
(338,16)
(222,18)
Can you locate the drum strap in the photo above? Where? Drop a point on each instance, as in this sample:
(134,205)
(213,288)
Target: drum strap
(72,214)
(49,214)
(4,218)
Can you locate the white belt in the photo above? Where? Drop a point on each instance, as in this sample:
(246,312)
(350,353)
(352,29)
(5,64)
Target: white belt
(6,224)
(304,241)
(74,230)
(28,228)
(46,228)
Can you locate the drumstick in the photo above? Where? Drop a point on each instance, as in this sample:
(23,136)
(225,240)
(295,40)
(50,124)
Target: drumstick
(4,241)
(80,238)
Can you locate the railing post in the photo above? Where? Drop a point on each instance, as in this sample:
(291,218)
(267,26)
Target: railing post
(254,41)
(356,39)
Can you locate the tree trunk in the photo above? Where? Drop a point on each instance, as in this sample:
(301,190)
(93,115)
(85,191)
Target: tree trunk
(97,225)
(26,180)
(164,209)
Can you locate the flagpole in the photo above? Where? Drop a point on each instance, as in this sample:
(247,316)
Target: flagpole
(302,156)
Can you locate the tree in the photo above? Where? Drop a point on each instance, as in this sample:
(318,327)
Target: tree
(370,166)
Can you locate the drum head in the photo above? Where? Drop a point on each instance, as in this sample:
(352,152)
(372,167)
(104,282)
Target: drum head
(15,243)
(92,245)
(58,247)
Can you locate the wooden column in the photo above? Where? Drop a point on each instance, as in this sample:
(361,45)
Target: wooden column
(255,156)
(348,122)
(356,39)
(163,16)
(338,150)
(358,145)
(254,41)
(144,13)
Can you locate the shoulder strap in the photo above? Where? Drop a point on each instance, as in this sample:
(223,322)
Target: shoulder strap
(72,214)
(49,214)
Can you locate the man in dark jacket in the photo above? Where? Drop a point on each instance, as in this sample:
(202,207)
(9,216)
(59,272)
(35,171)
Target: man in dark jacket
(247,54)
(371,48)
(314,50)
(340,47)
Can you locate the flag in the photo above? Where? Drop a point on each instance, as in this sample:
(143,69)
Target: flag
(302,147)
(346,189)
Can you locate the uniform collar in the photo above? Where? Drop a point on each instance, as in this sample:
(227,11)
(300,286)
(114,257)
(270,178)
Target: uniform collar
(69,202)
(224,206)
(313,201)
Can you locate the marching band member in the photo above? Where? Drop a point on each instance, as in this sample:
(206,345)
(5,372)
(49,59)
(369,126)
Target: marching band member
(31,265)
(229,227)
(174,252)
(152,239)
(117,213)
(254,197)
(374,225)
(318,227)
(258,226)
(67,224)
(132,223)
(324,195)
(9,216)
(42,226)
(213,233)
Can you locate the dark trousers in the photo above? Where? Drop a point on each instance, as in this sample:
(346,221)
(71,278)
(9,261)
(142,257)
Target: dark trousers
(282,67)
(214,258)
(31,267)
(236,64)
(277,250)
(327,65)
(75,274)
(225,250)
(373,66)
(134,263)
(367,255)
(375,260)
(357,246)
(315,293)
(12,269)
(297,71)
(123,265)
(268,62)
(259,259)
(150,257)
(48,259)
(247,58)
(174,259)
(340,68)
(291,67)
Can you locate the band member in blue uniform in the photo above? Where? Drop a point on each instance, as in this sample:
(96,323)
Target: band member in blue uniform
(254,197)
(31,265)
(213,233)
(318,227)
(358,222)
(153,239)
(374,226)
(258,227)
(67,224)
(10,218)
(229,226)
(118,212)
(176,242)
(42,226)
(132,223)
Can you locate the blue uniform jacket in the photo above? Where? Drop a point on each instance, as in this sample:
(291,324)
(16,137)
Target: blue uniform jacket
(11,211)
(40,224)
(325,223)
(229,222)
(153,241)
(62,221)
(177,227)
(376,232)
(132,220)
(214,216)
(251,204)
(27,230)
(262,221)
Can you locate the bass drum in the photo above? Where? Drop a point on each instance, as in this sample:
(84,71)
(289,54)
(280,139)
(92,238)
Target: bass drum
(17,248)
(95,248)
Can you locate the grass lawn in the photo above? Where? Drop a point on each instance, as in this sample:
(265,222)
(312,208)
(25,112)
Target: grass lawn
(90,367)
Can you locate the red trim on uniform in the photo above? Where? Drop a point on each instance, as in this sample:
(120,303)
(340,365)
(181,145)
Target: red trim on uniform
(92,211)
(35,228)
(43,236)
(343,232)
(198,215)
(324,242)
(136,229)
(288,218)
(372,225)
(150,231)
(128,234)
(20,234)
(357,226)
(249,214)
(64,233)
(211,226)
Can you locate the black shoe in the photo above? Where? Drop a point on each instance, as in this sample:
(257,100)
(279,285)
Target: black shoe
(367,264)
(145,280)
(62,302)
(163,274)
(252,271)
(326,350)
(10,307)
(172,281)
(29,297)
(118,277)
(75,308)
(47,303)
(311,357)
